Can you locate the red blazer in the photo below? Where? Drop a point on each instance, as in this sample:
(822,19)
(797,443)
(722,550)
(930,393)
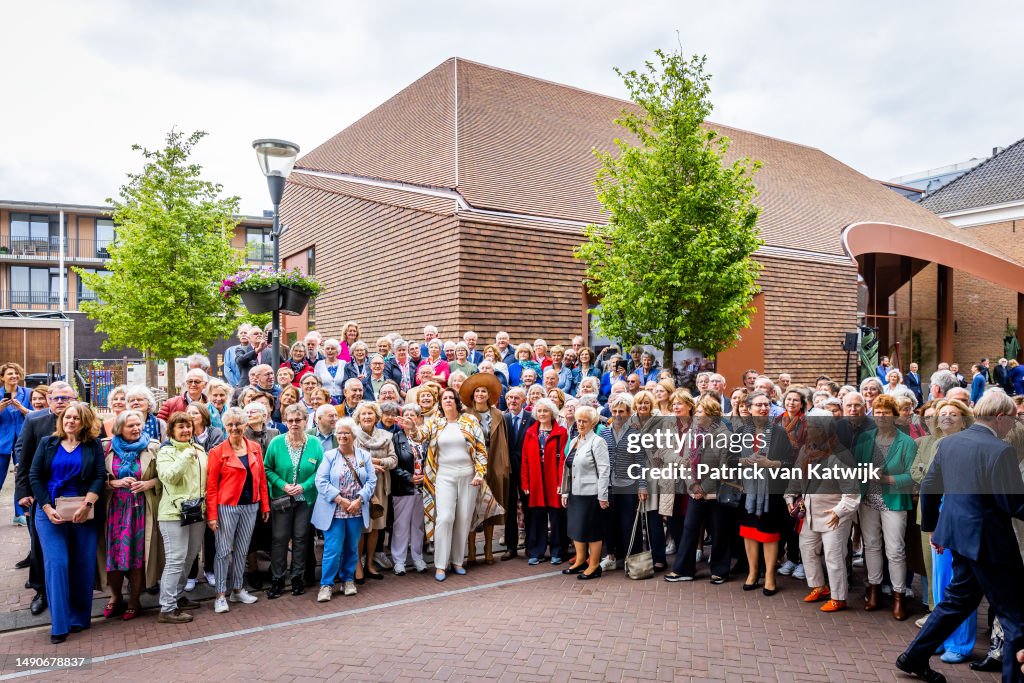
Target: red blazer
(226,476)
(174,405)
(542,481)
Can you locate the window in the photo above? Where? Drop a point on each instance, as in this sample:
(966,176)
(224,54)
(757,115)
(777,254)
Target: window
(259,245)
(36,233)
(311,271)
(34,288)
(104,236)
(83,292)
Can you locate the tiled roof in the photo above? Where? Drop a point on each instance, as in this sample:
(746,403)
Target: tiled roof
(525,145)
(997,180)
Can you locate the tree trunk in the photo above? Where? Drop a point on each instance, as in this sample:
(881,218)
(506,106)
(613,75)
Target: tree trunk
(666,355)
(172,385)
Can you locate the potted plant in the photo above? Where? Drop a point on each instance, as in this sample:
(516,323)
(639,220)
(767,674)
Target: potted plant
(264,289)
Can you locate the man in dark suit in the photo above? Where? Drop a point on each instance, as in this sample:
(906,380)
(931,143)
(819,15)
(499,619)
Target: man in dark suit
(976,479)
(475,355)
(1001,376)
(913,382)
(508,352)
(38,424)
(517,421)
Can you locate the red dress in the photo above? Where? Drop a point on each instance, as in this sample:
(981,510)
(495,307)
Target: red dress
(542,476)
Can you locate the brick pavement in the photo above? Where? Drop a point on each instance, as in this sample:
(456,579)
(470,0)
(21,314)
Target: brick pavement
(488,626)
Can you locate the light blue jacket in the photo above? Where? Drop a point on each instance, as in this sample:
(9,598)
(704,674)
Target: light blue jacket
(232,375)
(328,479)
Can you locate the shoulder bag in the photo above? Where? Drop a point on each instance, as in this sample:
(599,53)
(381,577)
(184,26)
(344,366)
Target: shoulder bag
(640,565)
(376,509)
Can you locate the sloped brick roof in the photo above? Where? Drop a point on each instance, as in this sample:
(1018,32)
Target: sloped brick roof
(512,143)
(997,180)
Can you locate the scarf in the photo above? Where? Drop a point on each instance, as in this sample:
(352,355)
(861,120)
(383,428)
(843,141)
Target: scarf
(756,488)
(150,430)
(374,441)
(796,429)
(406,381)
(129,453)
(297,365)
(217,416)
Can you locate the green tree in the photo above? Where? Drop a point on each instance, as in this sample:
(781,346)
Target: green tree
(673,264)
(172,249)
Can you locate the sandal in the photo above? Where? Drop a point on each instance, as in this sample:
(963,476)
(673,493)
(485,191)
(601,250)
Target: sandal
(113,609)
(130,614)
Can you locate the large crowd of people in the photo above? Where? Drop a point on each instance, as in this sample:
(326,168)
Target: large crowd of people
(400,450)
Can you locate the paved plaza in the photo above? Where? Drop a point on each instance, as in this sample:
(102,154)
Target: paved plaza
(506,622)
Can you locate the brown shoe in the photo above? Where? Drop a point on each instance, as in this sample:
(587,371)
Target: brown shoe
(834,606)
(175,617)
(507,555)
(899,613)
(871,601)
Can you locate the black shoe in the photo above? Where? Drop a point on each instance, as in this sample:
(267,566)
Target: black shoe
(717,580)
(987,664)
(28,585)
(298,587)
(922,671)
(587,577)
(77,629)
(23,564)
(57,640)
(38,606)
(575,570)
(505,556)
(359,582)
(185,604)
(376,576)
(769,592)
(276,589)
(751,586)
(154,590)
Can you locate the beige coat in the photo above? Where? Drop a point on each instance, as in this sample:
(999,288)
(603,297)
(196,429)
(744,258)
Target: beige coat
(154,542)
(379,445)
(499,467)
(822,496)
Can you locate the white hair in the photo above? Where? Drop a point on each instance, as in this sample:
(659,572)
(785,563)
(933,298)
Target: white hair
(549,404)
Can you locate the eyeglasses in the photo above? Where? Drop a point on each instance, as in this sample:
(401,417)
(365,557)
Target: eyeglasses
(345,434)
(295,420)
(235,425)
(193,381)
(61,399)
(759,405)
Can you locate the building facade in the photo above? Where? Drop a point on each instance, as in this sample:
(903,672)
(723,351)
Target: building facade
(458,202)
(33,281)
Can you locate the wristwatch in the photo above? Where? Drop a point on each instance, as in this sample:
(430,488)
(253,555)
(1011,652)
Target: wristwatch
(88,504)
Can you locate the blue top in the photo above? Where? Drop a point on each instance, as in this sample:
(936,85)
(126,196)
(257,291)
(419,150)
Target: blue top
(65,470)
(978,387)
(12,419)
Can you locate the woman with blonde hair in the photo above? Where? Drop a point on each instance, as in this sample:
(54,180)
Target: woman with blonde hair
(524,360)
(219,394)
(662,394)
(377,443)
(349,336)
(117,404)
(584,491)
(493,354)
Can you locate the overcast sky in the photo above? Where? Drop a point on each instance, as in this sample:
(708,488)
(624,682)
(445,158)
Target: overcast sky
(888,88)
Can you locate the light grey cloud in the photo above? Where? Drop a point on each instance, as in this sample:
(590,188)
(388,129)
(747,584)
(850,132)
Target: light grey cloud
(887,88)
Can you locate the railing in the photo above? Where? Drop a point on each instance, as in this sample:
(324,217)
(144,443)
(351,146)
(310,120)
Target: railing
(29,300)
(16,247)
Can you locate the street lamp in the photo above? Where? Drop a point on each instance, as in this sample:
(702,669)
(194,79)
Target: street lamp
(276,159)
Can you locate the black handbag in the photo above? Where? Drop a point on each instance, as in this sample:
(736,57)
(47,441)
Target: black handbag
(729,495)
(191,511)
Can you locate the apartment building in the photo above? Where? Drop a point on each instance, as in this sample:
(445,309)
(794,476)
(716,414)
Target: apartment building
(41,243)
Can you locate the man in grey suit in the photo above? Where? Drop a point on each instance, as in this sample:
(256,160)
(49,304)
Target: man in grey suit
(976,479)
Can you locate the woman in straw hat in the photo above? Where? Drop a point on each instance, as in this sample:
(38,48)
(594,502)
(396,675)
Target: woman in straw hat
(480,394)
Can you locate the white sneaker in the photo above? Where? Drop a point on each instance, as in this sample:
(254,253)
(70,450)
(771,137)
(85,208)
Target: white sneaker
(608,563)
(787,568)
(670,547)
(220,606)
(420,565)
(920,622)
(325,594)
(211,579)
(858,560)
(383,561)
(798,573)
(700,554)
(190,585)
(350,588)
(399,570)
(908,592)
(243,596)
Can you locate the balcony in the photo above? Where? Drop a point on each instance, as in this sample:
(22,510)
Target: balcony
(30,301)
(24,249)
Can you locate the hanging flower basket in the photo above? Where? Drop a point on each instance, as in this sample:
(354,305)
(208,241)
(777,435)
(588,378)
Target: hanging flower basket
(293,301)
(264,290)
(260,300)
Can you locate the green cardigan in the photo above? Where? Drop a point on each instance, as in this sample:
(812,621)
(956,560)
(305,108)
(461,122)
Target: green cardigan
(897,464)
(278,465)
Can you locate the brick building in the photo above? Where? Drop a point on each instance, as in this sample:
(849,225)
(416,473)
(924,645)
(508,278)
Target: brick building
(458,202)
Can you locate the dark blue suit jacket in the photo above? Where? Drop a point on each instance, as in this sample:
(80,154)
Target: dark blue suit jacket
(976,478)
(913,382)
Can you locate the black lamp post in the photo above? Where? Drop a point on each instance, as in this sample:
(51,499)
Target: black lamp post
(276,159)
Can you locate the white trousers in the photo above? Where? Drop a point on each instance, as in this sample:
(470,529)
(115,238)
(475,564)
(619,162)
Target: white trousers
(454,501)
(832,545)
(407,528)
(888,527)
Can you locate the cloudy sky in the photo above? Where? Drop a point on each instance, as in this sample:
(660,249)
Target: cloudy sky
(889,88)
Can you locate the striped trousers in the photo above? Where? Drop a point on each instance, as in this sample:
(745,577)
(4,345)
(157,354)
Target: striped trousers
(234,530)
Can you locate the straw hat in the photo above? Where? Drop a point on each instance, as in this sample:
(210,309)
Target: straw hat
(480,379)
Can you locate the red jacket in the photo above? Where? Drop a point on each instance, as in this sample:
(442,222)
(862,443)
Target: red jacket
(542,481)
(226,476)
(303,371)
(174,405)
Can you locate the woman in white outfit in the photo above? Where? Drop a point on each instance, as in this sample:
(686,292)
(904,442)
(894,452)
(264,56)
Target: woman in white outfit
(454,475)
(828,508)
